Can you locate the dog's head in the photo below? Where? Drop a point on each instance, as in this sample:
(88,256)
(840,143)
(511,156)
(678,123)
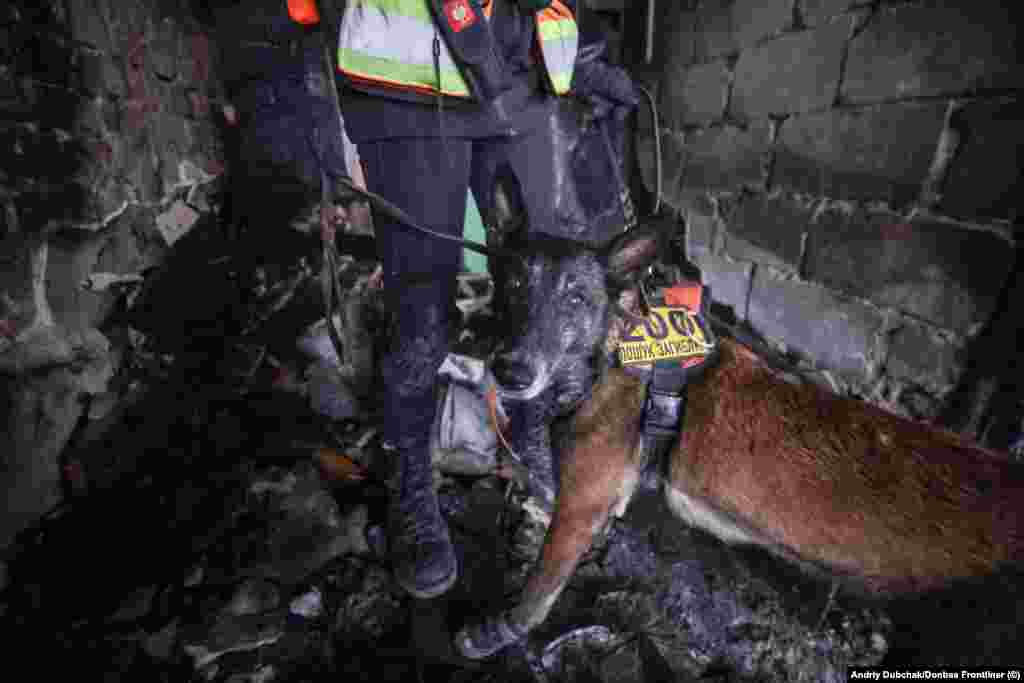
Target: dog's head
(558,300)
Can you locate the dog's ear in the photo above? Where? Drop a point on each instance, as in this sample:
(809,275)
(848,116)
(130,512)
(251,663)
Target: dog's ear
(629,254)
(625,315)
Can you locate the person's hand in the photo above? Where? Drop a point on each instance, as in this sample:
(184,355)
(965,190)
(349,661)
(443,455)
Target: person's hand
(615,84)
(616,94)
(330,218)
(608,88)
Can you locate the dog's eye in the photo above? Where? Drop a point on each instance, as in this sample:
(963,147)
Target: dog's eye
(514,283)
(576,299)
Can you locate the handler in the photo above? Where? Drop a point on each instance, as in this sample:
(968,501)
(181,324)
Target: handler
(444,95)
(441,96)
(289,135)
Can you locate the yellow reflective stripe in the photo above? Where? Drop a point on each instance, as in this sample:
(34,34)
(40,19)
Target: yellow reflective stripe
(559,42)
(394,73)
(401,39)
(550,29)
(390,42)
(561,82)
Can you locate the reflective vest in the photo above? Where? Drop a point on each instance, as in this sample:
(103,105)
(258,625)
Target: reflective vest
(390,44)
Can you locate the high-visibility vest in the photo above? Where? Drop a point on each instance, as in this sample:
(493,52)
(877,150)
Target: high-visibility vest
(389,44)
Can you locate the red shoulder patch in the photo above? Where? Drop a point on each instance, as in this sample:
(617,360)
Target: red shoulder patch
(460,14)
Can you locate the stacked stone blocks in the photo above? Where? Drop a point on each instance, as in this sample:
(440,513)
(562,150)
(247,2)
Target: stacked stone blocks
(848,176)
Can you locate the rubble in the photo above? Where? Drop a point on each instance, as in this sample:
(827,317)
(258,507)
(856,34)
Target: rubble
(463,440)
(299,527)
(51,370)
(253,597)
(174,223)
(329,393)
(309,605)
(262,479)
(235,634)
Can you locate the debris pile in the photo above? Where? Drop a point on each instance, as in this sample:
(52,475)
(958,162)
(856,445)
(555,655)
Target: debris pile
(228,519)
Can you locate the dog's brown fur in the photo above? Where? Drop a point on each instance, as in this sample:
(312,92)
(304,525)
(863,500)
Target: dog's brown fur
(887,504)
(896,504)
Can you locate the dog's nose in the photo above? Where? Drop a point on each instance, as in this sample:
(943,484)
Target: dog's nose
(512,373)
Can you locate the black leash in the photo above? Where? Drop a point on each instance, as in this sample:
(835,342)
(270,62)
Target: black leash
(375,200)
(397,214)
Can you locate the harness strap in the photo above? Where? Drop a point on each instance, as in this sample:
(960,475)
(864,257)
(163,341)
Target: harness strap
(467,33)
(666,400)
(667,380)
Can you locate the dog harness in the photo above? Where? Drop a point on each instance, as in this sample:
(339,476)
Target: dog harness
(674,348)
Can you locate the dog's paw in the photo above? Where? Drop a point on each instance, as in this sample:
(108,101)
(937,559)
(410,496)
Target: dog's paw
(478,641)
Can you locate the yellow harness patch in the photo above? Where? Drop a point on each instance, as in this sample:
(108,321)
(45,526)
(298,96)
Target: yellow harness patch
(669,332)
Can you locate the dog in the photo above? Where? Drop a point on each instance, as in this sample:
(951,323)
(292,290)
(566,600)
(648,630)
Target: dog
(883,504)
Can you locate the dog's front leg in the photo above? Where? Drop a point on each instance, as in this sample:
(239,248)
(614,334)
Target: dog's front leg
(531,439)
(593,481)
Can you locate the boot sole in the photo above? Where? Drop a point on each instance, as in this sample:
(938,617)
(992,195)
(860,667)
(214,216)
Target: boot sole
(476,642)
(433,591)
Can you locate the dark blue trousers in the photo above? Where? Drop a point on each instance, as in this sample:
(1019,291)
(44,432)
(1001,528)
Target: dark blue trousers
(428,178)
(289,140)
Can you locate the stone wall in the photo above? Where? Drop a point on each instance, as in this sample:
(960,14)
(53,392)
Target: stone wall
(848,176)
(109,151)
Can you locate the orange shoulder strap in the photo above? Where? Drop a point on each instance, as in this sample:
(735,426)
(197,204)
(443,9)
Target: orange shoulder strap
(303,12)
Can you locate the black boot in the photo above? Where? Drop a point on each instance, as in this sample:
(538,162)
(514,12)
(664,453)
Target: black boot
(421,546)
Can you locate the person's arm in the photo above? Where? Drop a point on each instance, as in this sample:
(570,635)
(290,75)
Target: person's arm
(610,88)
(327,15)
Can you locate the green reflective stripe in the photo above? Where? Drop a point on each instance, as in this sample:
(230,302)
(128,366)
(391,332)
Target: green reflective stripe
(555,30)
(393,41)
(561,82)
(559,41)
(401,39)
(378,68)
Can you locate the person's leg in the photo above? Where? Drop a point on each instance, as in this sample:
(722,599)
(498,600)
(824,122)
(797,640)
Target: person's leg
(526,166)
(428,180)
(538,164)
(274,146)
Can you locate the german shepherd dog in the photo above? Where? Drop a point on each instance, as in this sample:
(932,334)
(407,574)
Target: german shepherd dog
(880,503)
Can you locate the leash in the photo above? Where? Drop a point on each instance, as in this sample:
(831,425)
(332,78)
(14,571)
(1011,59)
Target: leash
(625,198)
(657,145)
(329,275)
(375,200)
(330,285)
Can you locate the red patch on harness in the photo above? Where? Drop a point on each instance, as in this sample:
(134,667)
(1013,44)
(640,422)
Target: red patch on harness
(689,294)
(460,14)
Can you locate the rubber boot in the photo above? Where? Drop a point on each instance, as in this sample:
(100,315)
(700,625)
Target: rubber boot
(421,546)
